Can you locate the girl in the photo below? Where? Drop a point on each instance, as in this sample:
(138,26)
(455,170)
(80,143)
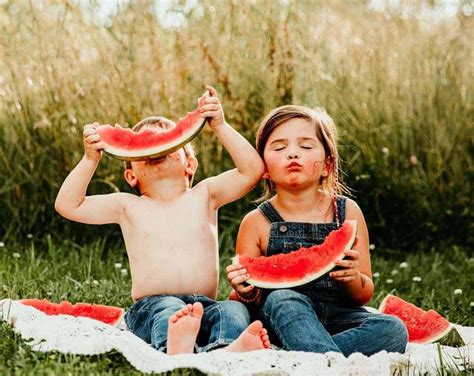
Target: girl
(300,208)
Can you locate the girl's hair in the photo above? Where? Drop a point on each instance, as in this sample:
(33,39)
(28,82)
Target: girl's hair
(326,132)
(164,123)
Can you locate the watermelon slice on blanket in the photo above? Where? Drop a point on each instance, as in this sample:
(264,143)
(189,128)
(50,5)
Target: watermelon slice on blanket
(301,266)
(107,314)
(423,326)
(128,145)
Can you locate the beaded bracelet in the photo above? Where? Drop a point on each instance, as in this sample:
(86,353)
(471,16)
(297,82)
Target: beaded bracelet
(255,298)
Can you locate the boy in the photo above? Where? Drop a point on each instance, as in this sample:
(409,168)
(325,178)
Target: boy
(170,234)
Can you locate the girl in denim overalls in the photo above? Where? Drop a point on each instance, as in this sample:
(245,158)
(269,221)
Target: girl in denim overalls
(302,205)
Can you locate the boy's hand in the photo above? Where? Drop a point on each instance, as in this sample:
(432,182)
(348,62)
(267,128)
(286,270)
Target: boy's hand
(349,267)
(211,107)
(92,144)
(237,275)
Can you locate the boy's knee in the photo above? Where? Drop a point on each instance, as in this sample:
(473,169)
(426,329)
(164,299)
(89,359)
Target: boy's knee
(235,309)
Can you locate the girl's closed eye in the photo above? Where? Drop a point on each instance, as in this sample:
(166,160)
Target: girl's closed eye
(306,147)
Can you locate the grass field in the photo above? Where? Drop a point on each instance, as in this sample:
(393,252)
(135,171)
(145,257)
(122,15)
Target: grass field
(96,273)
(399,88)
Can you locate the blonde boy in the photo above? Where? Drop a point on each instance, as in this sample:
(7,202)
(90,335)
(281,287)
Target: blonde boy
(170,234)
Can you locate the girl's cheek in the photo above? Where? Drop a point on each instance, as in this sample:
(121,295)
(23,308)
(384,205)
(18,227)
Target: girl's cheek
(271,162)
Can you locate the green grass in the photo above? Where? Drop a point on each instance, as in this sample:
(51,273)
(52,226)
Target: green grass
(88,273)
(399,89)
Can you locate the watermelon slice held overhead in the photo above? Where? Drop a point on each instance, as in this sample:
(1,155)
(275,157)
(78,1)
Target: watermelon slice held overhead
(127,145)
(107,314)
(423,326)
(301,266)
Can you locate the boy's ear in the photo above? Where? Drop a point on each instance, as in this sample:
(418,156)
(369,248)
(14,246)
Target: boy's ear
(130,177)
(191,165)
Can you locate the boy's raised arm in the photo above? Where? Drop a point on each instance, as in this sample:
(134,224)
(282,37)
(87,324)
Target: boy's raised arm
(233,184)
(72,202)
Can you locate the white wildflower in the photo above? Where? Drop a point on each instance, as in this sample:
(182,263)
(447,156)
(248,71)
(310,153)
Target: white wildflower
(376,275)
(118,265)
(49,293)
(472,304)
(457,292)
(2,244)
(403,265)
(385,150)
(416,279)
(389,281)
(95,282)
(124,271)
(372,247)
(29,236)
(394,272)
(16,255)
(413,160)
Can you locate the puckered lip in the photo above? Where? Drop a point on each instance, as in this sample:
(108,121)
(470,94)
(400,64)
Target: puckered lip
(293,165)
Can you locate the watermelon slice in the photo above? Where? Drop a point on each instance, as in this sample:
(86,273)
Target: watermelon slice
(127,145)
(301,266)
(107,314)
(423,326)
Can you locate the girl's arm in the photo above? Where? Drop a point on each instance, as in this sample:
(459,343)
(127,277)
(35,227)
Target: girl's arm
(355,274)
(248,243)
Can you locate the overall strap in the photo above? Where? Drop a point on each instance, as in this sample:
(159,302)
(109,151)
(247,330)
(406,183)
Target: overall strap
(267,209)
(341,209)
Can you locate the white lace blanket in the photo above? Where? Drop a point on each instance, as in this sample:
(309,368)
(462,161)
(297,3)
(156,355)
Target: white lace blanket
(78,335)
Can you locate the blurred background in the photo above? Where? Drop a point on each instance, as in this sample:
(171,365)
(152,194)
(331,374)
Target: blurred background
(396,76)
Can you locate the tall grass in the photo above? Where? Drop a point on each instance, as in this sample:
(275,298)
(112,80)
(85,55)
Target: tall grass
(399,89)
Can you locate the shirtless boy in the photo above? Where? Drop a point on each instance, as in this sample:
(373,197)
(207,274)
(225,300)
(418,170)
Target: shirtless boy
(170,233)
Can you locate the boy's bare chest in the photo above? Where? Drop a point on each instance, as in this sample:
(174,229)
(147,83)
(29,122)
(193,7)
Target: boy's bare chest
(184,214)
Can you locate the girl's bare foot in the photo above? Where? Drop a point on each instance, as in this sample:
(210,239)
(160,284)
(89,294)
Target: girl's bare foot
(255,337)
(183,328)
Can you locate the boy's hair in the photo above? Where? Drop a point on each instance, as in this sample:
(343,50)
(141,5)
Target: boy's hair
(164,123)
(326,132)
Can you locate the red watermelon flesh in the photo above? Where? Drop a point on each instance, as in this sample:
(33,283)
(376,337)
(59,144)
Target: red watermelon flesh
(301,266)
(107,314)
(125,144)
(423,326)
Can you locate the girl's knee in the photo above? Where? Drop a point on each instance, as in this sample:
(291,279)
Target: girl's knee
(284,299)
(396,333)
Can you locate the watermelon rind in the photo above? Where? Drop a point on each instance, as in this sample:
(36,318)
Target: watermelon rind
(308,278)
(158,150)
(433,338)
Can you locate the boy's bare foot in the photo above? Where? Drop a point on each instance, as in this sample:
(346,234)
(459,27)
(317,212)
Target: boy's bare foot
(255,337)
(183,328)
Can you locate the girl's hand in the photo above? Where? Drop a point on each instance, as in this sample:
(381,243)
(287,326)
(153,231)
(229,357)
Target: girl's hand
(92,144)
(211,107)
(349,267)
(237,275)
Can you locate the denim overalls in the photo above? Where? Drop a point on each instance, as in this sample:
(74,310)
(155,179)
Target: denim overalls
(316,316)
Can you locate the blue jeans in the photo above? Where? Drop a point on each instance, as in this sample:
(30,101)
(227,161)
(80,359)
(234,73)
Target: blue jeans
(222,322)
(297,323)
